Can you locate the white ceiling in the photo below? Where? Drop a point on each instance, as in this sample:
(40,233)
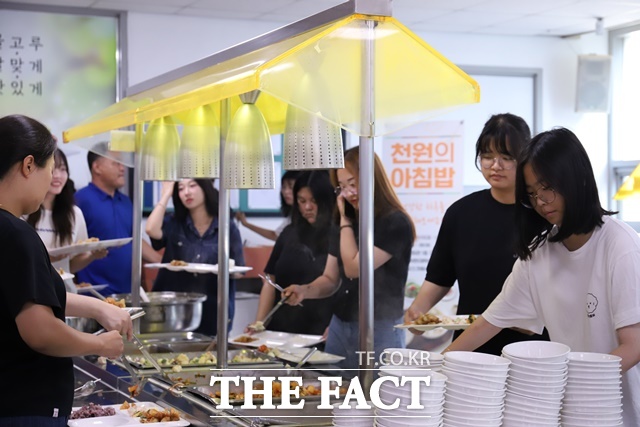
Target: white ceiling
(502,17)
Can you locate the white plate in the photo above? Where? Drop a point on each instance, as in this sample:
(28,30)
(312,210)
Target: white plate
(67,276)
(454,322)
(79,248)
(90,288)
(294,355)
(123,418)
(279,339)
(197,268)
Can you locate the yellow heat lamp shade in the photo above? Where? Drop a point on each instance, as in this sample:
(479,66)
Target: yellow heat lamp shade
(122,140)
(159,151)
(248,155)
(310,142)
(200,144)
(630,186)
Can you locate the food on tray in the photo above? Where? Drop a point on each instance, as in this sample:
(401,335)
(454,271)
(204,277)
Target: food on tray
(178,263)
(245,358)
(92,410)
(427,319)
(432,319)
(266,350)
(207,358)
(117,302)
(152,415)
(83,285)
(257,326)
(245,339)
(89,240)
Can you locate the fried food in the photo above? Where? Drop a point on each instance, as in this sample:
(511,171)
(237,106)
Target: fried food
(117,302)
(178,263)
(245,339)
(89,240)
(152,415)
(428,319)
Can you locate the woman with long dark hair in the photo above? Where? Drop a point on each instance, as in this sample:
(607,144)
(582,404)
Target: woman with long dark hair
(578,269)
(394,234)
(59,222)
(191,235)
(299,256)
(33,301)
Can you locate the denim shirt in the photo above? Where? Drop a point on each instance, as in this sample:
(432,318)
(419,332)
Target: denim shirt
(182,242)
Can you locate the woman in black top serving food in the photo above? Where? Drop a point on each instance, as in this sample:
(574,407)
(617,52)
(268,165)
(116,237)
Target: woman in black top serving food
(38,344)
(394,234)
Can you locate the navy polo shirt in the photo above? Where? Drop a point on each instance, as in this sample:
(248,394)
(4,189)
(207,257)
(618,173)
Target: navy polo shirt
(107,218)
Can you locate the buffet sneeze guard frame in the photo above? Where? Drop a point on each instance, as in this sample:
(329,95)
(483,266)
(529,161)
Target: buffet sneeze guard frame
(362,48)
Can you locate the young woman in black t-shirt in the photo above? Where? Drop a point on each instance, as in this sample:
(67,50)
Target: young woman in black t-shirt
(299,256)
(394,234)
(476,241)
(33,300)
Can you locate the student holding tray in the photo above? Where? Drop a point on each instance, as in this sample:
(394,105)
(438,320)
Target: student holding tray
(59,222)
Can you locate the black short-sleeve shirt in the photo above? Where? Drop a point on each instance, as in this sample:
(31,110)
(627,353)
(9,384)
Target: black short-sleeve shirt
(40,385)
(294,263)
(476,247)
(393,234)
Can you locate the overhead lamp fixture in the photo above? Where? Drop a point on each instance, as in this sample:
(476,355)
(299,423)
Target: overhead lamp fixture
(159,151)
(311,142)
(630,186)
(248,155)
(200,144)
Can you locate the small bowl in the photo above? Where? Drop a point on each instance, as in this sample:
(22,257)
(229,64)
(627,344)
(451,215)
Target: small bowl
(548,351)
(477,360)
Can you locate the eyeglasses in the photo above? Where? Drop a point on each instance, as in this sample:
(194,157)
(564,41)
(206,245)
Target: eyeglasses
(544,194)
(351,188)
(505,162)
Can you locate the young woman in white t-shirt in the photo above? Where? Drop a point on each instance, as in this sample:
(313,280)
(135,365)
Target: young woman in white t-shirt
(59,222)
(578,269)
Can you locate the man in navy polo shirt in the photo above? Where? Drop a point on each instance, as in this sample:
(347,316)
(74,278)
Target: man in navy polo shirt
(109,215)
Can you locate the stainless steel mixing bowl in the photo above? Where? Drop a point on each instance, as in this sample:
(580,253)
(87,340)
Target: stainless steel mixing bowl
(169,311)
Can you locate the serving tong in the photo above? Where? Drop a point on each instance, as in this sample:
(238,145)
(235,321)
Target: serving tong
(269,315)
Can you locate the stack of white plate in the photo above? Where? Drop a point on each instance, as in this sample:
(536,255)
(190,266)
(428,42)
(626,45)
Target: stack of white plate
(475,389)
(431,398)
(410,357)
(535,387)
(593,396)
(348,417)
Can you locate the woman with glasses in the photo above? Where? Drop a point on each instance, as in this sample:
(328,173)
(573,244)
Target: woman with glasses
(476,241)
(578,269)
(393,238)
(299,256)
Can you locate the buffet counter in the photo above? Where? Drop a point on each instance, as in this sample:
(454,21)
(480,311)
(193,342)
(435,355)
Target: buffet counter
(194,405)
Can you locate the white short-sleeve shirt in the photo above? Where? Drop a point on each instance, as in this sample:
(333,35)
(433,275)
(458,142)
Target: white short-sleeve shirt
(581,297)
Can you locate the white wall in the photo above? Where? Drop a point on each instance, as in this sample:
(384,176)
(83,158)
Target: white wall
(160,43)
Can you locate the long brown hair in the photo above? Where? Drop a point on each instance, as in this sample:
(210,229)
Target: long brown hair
(385,199)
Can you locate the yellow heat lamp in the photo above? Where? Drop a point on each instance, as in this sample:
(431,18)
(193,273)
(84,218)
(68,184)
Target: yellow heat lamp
(200,144)
(159,151)
(248,155)
(630,186)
